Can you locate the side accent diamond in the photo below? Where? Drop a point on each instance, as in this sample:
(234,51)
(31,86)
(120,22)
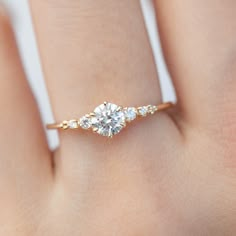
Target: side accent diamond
(142,111)
(85,122)
(130,113)
(73,124)
(152,109)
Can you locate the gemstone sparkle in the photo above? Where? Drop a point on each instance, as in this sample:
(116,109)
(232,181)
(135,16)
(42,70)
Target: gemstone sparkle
(152,109)
(130,113)
(108,119)
(85,122)
(73,124)
(143,110)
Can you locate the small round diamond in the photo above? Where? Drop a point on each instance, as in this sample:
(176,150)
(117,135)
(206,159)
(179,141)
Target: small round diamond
(130,113)
(152,109)
(73,124)
(143,111)
(85,122)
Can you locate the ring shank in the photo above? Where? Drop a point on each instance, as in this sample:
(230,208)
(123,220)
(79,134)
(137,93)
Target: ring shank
(160,107)
(164,106)
(54,126)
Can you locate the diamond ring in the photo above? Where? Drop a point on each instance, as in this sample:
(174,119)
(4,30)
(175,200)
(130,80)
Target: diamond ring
(109,119)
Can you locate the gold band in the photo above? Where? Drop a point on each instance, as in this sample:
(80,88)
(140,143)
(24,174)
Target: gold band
(108,119)
(55,126)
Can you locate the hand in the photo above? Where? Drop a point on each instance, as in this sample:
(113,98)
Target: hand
(172,174)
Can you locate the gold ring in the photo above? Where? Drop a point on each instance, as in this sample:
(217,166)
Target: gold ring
(109,119)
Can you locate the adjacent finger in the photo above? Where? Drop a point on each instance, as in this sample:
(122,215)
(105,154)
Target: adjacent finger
(198,38)
(24,156)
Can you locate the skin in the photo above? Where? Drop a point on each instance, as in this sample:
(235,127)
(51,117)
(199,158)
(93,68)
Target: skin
(173,174)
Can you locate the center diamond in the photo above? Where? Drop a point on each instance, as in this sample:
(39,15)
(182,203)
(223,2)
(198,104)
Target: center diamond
(108,120)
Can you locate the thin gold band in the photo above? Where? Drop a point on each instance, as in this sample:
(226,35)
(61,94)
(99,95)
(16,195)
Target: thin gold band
(54,126)
(124,115)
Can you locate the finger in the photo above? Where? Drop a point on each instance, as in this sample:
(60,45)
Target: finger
(24,156)
(94,51)
(198,41)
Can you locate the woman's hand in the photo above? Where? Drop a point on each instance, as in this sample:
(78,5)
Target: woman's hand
(173,174)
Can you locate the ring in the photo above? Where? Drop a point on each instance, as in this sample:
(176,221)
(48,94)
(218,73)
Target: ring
(109,119)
